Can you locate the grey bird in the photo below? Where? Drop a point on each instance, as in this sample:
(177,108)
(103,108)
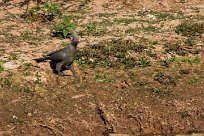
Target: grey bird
(64,57)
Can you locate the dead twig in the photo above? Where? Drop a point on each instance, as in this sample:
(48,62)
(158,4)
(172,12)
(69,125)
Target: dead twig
(52,129)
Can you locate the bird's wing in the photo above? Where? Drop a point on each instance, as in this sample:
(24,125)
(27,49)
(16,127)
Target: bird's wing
(58,56)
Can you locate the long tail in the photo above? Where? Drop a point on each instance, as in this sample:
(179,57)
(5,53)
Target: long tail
(75,37)
(38,60)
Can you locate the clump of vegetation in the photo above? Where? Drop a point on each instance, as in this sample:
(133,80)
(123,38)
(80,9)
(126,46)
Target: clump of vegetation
(62,29)
(193,81)
(164,78)
(190,29)
(28,65)
(101,77)
(130,30)
(190,41)
(26,35)
(124,20)
(13,56)
(149,28)
(161,91)
(180,15)
(26,89)
(94,29)
(44,12)
(105,15)
(8,82)
(175,47)
(66,43)
(1,67)
(164,16)
(194,60)
(144,62)
(112,54)
(172,47)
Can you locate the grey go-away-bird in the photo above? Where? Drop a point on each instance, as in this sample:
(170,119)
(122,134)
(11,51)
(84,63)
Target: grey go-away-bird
(64,57)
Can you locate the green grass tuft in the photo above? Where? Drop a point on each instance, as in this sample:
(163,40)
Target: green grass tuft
(190,29)
(1,67)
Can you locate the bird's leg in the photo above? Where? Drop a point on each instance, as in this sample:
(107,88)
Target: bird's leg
(71,67)
(58,68)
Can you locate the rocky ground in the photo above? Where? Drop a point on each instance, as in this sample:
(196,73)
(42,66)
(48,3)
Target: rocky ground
(140,62)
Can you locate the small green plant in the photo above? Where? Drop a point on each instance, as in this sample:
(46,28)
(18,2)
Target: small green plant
(80,60)
(172,47)
(27,73)
(130,30)
(195,60)
(65,44)
(62,29)
(180,15)
(173,59)
(101,77)
(95,29)
(51,8)
(45,12)
(104,15)
(1,66)
(164,16)
(155,90)
(13,56)
(7,82)
(190,41)
(193,81)
(26,35)
(190,29)
(26,89)
(128,62)
(91,26)
(175,48)
(143,62)
(151,42)
(149,28)
(28,65)
(181,53)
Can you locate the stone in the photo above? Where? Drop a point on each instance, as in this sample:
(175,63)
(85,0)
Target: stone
(10,65)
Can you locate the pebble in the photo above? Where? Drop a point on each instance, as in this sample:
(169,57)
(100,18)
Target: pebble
(10,65)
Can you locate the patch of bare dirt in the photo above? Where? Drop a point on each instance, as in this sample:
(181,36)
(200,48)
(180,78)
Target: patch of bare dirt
(161,95)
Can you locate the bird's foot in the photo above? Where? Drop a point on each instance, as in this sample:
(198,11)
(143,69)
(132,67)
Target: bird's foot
(61,74)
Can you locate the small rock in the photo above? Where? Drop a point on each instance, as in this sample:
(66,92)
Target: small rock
(29,114)
(14,117)
(10,65)
(2,37)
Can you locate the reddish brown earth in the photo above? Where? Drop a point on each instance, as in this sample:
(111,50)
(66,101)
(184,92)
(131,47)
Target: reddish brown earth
(157,99)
